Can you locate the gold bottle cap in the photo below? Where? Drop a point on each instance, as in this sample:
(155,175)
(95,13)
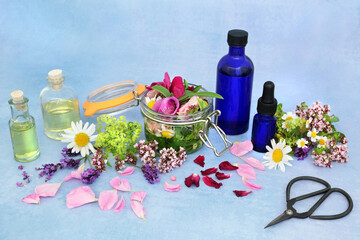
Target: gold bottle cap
(17,96)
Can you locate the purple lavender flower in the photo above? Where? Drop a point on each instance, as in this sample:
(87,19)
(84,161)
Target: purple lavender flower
(20,167)
(89,176)
(69,163)
(48,169)
(301,153)
(150,173)
(69,153)
(19,184)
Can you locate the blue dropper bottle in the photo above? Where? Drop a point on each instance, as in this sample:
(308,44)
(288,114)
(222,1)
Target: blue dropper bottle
(264,124)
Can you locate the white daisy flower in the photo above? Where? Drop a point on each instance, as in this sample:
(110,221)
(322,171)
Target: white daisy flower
(313,135)
(301,143)
(289,116)
(286,125)
(80,138)
(322,141)
(151,101)
(167,131)
(308,122)
(277,156)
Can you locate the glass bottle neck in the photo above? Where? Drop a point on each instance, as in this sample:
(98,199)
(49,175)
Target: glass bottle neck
(19,109)
(236,51)
(56,84)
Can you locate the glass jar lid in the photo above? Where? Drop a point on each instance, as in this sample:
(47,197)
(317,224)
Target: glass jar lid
(113,99)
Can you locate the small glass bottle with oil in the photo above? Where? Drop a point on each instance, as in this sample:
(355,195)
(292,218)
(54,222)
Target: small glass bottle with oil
(22,129)
(59,105)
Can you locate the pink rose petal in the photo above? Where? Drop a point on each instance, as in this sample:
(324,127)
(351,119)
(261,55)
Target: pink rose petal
(172,187)
(138,209)
(122,185)
(47,189)
(254,163)
(173,178)
(80,196)
(246,171)
(127,171)
(75,174)
(32,198)
(138,196)
(241,148)
(107,199)
(251,184)
(242,193)
(120,205)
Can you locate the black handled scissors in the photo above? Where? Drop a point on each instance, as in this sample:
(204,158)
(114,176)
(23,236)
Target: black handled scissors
(291,212)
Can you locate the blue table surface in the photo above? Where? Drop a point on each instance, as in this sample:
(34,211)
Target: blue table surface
(310,49)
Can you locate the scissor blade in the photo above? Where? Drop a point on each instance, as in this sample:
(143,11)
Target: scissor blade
(280,218)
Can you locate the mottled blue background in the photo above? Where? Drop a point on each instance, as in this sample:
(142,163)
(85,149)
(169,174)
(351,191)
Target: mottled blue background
(310,49)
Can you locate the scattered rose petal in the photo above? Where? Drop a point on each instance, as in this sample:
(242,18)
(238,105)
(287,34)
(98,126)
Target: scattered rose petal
(32,198)
(107,199)
(227,166)
(200,160)
(173,178)
(241,148)
(80,196)
(47,189)
(75,174)
(138,209)
(138,196)
(241,193)
(254,163)
(172,187)
(193,179)
(211,182)
(127,171)
(221,176)
(120,205)
(122,185)
(246,170)
(209,171)
(251,184)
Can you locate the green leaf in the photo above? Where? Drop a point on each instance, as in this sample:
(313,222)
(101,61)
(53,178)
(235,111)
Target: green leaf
(186,85)
(108,163)
(162,90)
(203,104)
(206,94)
(197,88)
(334,119)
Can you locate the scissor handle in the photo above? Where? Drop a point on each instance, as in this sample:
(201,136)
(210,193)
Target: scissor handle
(288,188)
(340,215)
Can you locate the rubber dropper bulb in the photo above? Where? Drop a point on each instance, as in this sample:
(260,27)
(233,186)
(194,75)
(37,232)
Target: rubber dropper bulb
(267,103)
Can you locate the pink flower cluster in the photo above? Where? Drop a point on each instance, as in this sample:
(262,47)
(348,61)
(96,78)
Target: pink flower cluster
(170,159)
(98,160)
(315,114)
(335,152)
(147,152)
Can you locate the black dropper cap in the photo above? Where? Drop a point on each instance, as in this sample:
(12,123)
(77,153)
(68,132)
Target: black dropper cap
(267,103)
(237,38)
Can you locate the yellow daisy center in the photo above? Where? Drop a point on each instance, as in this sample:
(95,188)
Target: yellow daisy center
(313,134)
(167,134)
(289,118)
(151,104)
(81,139)
(302,144)
(277,155)
(322,141)
(287,125)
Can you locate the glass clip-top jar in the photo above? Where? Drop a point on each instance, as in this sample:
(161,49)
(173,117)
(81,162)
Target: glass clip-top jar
(187,131)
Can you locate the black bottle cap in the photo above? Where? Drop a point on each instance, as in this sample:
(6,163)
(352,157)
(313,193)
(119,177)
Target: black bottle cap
(267,104)
(237,37)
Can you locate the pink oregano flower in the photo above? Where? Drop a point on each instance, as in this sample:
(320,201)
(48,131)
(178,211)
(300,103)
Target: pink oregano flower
(169,105)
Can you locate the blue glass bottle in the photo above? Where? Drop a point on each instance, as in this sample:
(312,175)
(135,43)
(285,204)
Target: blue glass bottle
(264,124)
(235,73)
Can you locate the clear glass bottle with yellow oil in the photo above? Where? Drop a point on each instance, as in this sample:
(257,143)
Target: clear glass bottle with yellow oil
(22,129)
(59,105)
